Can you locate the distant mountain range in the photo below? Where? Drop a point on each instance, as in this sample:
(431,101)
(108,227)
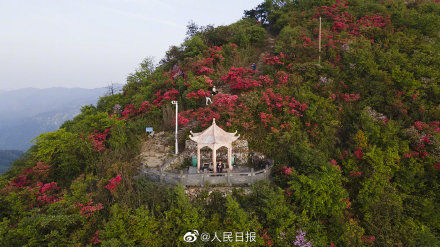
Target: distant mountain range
(7,157)
(26,113)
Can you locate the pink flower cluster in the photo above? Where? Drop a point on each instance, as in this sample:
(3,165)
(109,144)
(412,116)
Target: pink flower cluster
(241,78)
(20,181)
(286,170)
(47,193)
(437,166)
(205,70)
(128,111)
(274,60)
(358,153)
(276,101)
(266,80)
(335,164)
(368,239)
(145,107)
(343,21)
(161,97)
(226,102)
(283,77)
(350,97)
(347,203)
(266,118)
(113,183)
(95,239)
(197,94)
(355,173)
(215,53)
(89,208)
(98,139)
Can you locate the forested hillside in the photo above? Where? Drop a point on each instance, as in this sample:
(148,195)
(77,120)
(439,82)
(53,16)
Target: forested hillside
(355,136)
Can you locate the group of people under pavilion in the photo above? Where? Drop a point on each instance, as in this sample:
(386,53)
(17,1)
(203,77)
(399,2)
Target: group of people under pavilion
(214,138)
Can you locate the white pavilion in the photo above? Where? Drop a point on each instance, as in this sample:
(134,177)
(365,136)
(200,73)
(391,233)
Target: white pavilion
(214,137)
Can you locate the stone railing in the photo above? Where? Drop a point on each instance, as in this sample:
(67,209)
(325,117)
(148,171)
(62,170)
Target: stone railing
(202,179)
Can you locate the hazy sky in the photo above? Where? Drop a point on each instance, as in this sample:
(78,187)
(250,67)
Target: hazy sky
(91,43)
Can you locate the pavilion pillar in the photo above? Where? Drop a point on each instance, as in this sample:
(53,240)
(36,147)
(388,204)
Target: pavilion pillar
(198,158)
(214,159)
(230,157)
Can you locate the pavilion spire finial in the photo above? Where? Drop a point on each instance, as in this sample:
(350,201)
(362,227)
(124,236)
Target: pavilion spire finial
(213,121)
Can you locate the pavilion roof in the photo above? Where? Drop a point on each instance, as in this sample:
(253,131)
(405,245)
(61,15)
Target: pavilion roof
(214,135)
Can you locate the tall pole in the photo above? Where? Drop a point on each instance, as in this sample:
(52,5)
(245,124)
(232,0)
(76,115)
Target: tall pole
(319,41)
(174,102)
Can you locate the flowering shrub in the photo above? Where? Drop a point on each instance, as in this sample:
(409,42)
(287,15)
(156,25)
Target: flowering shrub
(205,70)
(98,139)
(266,80)
(358,154)
(355,174)
(283,77)
(368,239)
(197,94)
(47,193)
(89,208)
(145,107)
(266,118)
(275,101)
(95,239)
(274,60)
(128,111)
(286,171)
(225,102)
(161,97)
(241,78)
(215,53)
(301,240)
(113,183)
(267,239)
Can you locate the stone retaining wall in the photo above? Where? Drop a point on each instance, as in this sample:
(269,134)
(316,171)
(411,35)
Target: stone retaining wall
(202,179)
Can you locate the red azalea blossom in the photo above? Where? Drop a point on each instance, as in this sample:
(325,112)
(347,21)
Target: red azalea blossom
(347,202)
(98,139)
(241,78)
(286,170)
(145,107)
(274,60)
(437,166)
(358,153)
(89,208)
(288,192)
(197,94)
(113,183)
(95,239)
(368,239)
(355,174)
